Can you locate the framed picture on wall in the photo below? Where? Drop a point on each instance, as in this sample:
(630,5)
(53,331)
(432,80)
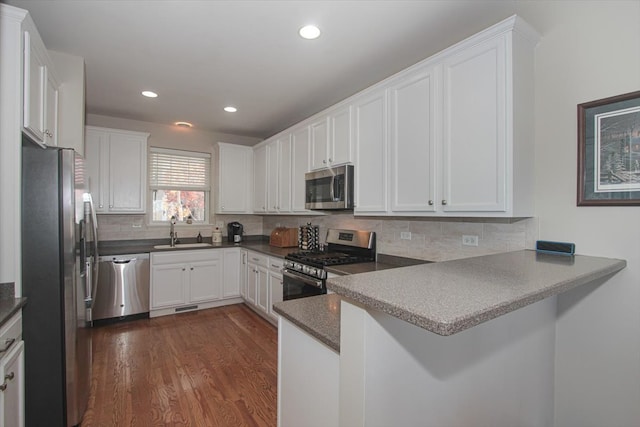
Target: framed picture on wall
(609,151)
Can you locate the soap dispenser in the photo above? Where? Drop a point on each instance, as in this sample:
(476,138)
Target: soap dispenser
(199,238)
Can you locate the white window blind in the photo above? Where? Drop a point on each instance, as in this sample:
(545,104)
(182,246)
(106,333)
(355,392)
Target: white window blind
(175,169)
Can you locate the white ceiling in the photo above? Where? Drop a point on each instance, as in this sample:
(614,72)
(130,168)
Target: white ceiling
(202,55)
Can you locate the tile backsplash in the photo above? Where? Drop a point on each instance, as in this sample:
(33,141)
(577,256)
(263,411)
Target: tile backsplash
(434,239)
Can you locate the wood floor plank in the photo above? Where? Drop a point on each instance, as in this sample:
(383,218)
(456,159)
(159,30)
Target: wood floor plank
(215,367)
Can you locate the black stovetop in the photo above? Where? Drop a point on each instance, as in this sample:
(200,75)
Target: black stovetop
(322,259)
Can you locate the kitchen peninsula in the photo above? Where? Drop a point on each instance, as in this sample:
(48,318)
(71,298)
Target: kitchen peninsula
(464,342)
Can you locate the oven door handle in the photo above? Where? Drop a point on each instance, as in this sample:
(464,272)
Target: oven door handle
(297,276)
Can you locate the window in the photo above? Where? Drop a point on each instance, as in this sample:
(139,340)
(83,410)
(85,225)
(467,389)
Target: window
(179,183)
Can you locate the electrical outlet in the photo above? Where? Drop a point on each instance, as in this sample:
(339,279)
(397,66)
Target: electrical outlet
(405,235)
(277,225)
(470,240)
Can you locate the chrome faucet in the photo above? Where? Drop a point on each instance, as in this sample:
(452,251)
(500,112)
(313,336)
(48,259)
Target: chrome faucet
(172,234)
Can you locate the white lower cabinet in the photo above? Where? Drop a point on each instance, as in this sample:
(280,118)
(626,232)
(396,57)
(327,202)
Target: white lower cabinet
(12,374)
(192,280)
(264,284)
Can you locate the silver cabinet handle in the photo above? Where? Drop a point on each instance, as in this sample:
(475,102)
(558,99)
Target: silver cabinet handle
(184,269)
(275,266)
(330,160)
(223,208)
(324,161)
(430,202)
(100,206)
(3,387)
(191,268)
(7,344)
(256,259)
(444,202)
(9,377)
(110,206)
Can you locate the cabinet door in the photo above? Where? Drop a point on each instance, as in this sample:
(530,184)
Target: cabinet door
(231,273)
(34,87)
(275,289)
(272,177)
(474,134)
(341,137)
(262,279)
(97,166)
(12,396)
(235,178)
(168,285)
(205,280)
(299,166)
(252,283)
(320,144)
(244,270)
(413,142)
(284,174)
(127,173)
(50,110)
(260,179)
(371,153)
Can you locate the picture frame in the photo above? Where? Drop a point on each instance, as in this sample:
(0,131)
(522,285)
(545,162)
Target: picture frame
(609,151)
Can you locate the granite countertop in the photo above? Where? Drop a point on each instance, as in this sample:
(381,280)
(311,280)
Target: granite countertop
(9,307)
(384,262)
(451,296)
(319,316)
(122,247)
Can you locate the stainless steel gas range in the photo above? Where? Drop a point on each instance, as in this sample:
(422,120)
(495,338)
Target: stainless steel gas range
(304,272)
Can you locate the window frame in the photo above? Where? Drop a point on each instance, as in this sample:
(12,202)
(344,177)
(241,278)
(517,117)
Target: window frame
(151,188)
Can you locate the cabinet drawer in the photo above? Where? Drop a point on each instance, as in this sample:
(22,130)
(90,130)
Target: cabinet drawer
(12,330)
(179,256)
(258,259)
(275,264)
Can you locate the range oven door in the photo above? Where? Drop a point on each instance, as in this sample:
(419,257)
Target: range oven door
(297,285)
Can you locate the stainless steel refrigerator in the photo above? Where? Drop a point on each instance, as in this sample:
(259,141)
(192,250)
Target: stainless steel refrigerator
(59,269)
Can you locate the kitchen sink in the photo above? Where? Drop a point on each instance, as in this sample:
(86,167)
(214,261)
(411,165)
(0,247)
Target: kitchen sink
(184,245)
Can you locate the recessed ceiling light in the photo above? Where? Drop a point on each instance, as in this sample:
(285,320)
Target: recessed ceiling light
(230,109)
(309,32)
(183,124)
(149,94)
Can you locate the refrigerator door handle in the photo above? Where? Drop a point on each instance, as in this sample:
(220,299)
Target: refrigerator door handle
(88,286)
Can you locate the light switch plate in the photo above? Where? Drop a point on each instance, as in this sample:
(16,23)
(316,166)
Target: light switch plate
(405,235)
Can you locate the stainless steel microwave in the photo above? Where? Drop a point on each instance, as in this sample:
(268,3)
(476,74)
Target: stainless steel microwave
(330,188)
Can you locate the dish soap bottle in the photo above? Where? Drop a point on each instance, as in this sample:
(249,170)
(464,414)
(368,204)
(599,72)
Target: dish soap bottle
(199,238)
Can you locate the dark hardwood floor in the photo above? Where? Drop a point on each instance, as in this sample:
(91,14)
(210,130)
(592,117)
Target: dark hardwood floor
(215,367)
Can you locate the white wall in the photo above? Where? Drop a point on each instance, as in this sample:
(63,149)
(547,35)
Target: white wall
(589,50)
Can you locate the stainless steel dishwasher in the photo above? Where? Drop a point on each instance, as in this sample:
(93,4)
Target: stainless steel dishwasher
(123,286)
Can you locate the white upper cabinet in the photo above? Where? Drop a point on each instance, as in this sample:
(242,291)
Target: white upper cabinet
(300,158)
(40,91)
(116,163)
(340,142)
(413,134)
(260,174)
(331,139)
(235,179)
(320,143)
(273,161)
(475,129)
(284,173)
(487,143)
(460,132)
(371,139)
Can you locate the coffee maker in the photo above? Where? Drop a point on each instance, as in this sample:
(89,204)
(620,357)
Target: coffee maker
(234,232)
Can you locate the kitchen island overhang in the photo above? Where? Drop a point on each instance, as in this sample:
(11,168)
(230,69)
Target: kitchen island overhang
(451,296)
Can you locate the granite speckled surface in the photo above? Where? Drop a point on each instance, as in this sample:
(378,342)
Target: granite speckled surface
(451,296)
(9,305)
(319,316)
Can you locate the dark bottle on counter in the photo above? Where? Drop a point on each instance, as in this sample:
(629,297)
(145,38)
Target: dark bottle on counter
(199,238)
